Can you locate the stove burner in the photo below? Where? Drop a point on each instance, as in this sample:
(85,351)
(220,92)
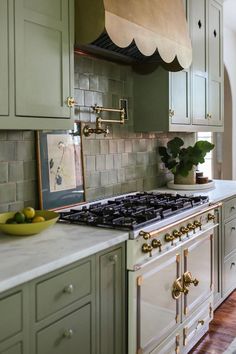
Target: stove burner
(132,211)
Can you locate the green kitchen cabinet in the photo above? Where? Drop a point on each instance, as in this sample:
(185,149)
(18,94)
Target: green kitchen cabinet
(199,69)
(4,55)
(15,349)
(216,65)
(162,99)
(71,334)
(111,301)
(39,56)
(80,308)
(14,321)
(229,246)
(190,100)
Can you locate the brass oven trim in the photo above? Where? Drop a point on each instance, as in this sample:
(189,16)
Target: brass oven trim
(151,234)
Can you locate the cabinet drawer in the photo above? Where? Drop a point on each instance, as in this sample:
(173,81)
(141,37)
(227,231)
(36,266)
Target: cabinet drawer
(198,324)
(230,274)
(61,290)
(10,315)
(15,349)
(230,208)
(230,237)
(71,335)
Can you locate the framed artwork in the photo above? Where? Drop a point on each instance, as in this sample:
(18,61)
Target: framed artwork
(60,168)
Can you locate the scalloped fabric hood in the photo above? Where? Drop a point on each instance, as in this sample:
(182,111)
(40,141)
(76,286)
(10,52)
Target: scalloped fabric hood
(135,31)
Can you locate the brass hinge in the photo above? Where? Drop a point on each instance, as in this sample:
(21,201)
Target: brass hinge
(210,310)
(185,335)
(140,351)
(140,280)
(177,258)
(186,252)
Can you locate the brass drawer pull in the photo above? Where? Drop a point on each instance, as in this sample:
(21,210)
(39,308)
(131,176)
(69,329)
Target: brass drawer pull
(68,333)
(177,289)
(201,322)
(68,289)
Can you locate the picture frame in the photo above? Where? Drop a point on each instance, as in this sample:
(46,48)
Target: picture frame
(60,168)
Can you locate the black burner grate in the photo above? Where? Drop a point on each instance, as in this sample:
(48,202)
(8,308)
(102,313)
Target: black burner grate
(132,211)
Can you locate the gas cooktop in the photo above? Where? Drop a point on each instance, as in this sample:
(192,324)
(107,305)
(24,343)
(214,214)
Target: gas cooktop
(132,211)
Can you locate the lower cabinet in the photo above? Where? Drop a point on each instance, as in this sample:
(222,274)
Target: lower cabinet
(77,309)
(111,302)
(228,247)
(15,349)
(68,334)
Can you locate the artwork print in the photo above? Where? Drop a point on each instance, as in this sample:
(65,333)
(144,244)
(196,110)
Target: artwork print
(60,167)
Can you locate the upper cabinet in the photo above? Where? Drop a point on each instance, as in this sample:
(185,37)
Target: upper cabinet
(4,58)
(190,100)
(37,52)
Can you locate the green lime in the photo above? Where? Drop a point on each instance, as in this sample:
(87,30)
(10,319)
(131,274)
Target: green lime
(19,217)
(11,221)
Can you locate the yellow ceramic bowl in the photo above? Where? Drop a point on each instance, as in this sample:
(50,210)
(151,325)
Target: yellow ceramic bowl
(28,229)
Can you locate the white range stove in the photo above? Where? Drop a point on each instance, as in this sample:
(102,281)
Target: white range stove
(169,263)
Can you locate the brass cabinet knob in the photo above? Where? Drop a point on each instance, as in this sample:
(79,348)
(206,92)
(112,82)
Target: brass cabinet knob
(70,101)
(201,322)
(209,116)
(68,333)
(188,279)
(69,289)
(147,249)
(156,244)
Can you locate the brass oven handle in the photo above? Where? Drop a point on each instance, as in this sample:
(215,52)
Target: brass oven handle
(178,288)
(188,279)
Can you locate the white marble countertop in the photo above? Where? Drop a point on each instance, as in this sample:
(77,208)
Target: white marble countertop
(25,258)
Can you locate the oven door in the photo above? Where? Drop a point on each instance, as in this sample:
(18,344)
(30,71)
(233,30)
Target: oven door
(153,312)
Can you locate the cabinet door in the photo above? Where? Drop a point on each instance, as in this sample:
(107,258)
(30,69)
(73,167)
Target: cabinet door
(153,312)
(198,265)
(42,53)
(111,302)
(15,349)
(198,27)
(180,91)
(4,69)
(71,335)
(215,64)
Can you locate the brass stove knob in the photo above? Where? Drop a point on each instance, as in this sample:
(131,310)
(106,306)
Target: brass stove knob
(184,230)
(147,249)
(197,223)
(156,244)
(176,234)
(191,226)
(169,238)
(210,217)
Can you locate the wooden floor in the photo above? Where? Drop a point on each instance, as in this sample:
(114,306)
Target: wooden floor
(222,329)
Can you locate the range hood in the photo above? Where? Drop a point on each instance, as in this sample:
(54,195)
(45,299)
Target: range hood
(134,31)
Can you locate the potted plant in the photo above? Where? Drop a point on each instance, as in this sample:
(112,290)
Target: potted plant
(182,161)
